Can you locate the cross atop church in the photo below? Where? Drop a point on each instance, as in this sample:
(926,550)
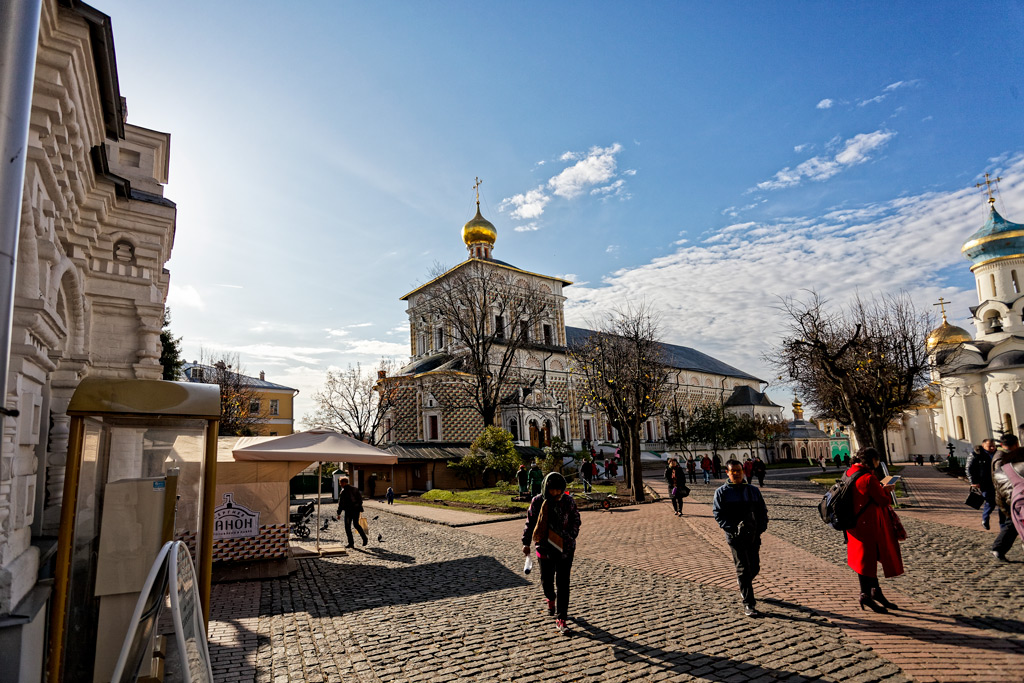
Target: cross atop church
(476,186)
(988,187)
(942,303)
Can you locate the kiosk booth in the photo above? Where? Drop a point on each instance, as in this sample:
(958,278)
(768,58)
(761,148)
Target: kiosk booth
(121,504)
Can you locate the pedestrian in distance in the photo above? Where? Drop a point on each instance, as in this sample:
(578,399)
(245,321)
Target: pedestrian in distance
(350,505)
(739,509)
(706,468)
(691,469)
(979,474)
(523,479)
(716,464)
(931,459)
(760,470)
(920,460)
(1010,454)
(677,489)
(553,523)
(586,474)
(390,495)
(874,539)
(748,469)
(536,477)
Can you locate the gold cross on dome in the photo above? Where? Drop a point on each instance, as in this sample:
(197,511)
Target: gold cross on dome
(942,303)
(476,186)
(989,182)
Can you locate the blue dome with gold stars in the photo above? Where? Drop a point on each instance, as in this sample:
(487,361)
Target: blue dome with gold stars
(997,239)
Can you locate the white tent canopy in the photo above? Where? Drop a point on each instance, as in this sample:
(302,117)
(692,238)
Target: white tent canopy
(314,445)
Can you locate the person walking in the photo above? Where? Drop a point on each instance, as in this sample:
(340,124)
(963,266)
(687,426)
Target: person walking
(873,539)
(739,509)
(979,474)
(536,477)
(553,523)
(390,496)
(691,469)
(350,504)
(705,468)
(677,489)
(716,464)
(586,474)
(523,479)
(1009,454)
(760,469)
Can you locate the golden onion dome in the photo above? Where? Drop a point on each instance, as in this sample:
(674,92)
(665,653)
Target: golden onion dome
(479,229)
(947,334)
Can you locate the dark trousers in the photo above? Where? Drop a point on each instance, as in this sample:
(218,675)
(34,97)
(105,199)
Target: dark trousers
(554,579)
(352,519)
(677,504)
(586,484)
(988,506)
(693,476)
(746,554)
(867,583)
(1007,535)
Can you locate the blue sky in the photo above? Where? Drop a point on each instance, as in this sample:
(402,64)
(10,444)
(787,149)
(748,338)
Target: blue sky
(707,157)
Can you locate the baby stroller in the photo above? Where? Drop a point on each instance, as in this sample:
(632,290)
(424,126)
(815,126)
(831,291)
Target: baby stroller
(300,520)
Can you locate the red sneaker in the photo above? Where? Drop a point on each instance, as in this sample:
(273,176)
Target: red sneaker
(560,625)
(551,607)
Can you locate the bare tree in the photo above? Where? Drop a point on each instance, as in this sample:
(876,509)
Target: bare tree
(354,402)
(624,375)
(242,413)
(861,366)
(487,315)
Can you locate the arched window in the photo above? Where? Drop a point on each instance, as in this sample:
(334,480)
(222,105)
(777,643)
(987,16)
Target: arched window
(960,428)
(547,432)
(1016,284)
(513,427)
(1007,423)
(992,281)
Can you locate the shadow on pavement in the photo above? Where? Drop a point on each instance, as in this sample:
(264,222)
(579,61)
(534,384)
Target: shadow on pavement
(382,554)
(352,587)
(707,667)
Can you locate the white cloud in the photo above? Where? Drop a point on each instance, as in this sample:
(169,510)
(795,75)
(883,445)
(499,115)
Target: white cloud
(901,84)
(359,325)
(377,348)
(569,156)
(185,297)
(629,172)
(399,329)
(802,148)
(596,168)
(616,189)
(855,151)
(720,295)
(612,249)
(873,100)
(825,104)
(336,333)
(527,227)
(527,205)
(231,286)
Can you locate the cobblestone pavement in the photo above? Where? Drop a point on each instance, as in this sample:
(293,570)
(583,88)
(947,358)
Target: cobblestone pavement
(654,599)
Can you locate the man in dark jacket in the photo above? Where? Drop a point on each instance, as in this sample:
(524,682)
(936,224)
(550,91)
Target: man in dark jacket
(979,473)
(350,504)
(740,510)
(1010,453)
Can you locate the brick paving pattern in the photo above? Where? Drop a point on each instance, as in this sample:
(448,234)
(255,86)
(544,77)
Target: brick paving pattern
(654,599)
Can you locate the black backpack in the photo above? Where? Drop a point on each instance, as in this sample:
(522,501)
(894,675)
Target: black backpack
(836,506)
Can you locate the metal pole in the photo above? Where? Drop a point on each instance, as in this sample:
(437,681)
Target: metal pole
(319,494)
(65,548)
(19,36)
(209,493)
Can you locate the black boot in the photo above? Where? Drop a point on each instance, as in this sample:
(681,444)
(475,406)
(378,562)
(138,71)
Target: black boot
(876,595)
(866,599)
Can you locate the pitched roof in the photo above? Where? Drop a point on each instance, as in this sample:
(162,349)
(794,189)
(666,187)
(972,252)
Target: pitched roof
(433,450)
(254,382)
(745,395)
(679,357)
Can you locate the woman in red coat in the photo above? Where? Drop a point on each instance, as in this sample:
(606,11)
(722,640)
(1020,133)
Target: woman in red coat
(873,539)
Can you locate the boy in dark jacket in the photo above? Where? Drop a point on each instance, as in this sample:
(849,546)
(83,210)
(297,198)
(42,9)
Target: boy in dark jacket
(740,510)
(553,523)
(979,473)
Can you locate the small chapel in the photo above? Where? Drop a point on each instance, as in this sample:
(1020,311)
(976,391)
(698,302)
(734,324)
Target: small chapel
(980,378)
(434,418)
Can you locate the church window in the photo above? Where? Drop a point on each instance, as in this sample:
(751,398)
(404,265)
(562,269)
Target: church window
(524,330)
(513,428)
(608,430)
(647,429)
(548,336)
(499,326)
(960,428)
(439,338)
(433,428)
(1016,284)
(387,429)
(979,290)
(1007,424)
(992,282)
(587,434)
(547,432)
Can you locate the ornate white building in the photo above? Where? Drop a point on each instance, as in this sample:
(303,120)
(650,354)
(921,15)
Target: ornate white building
(95,234)
(981,379)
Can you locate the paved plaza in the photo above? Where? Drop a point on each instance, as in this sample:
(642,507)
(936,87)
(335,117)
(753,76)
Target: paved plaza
(654,599)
